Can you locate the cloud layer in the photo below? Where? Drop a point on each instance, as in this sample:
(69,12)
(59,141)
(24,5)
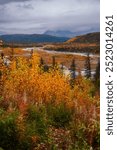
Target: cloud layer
(10,1)
(37,16)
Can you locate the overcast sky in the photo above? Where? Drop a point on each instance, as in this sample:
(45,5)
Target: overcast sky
(38,16)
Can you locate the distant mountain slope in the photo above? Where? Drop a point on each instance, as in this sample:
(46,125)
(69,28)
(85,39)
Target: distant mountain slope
(87,38)
(67,33)
(60,33)
(31,38)
(85,43)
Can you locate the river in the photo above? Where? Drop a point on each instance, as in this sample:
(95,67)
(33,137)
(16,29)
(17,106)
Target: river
(59,52)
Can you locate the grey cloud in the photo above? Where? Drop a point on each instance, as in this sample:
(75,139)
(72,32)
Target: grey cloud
(9,1)
(37,16)
(25,6)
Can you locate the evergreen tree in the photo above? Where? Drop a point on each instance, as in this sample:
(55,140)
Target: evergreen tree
(97,75)
(61,68)
(31,53)
(46,68)
(53,62)
(2,55)
(87,67)
(73,73)
(43,65)
(41,61)
(73,69)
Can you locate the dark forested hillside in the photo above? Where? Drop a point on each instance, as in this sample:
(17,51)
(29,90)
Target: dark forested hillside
(31,38)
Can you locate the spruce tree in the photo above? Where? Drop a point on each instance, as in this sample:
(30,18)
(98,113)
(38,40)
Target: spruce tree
(87,67)
(73,73)
(97,75)
(62,69)
(53,62)
(73,69)
(2,55)
(41,61)
(31,53)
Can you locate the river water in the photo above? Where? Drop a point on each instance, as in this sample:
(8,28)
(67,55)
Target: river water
(59,52)
(66,70)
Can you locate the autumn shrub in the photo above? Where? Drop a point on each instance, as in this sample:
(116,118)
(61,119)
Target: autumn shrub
(43,109)
(60,116)
(86,137)
(8,132)
(35,85)
(36,122)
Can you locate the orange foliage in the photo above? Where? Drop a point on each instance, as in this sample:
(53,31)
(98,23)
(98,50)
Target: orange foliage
(26,82)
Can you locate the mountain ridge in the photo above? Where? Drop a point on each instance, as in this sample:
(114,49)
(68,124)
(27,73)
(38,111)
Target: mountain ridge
(68,33)
(93,37)
(31,38)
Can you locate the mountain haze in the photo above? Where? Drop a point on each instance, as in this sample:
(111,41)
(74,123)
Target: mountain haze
(60,33)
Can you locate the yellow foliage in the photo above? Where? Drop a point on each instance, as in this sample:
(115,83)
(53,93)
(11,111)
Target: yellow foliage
(39,86)
(27,82)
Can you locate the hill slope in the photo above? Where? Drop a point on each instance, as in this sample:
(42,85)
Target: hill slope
(87,38)
(31,38)
(85,43)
